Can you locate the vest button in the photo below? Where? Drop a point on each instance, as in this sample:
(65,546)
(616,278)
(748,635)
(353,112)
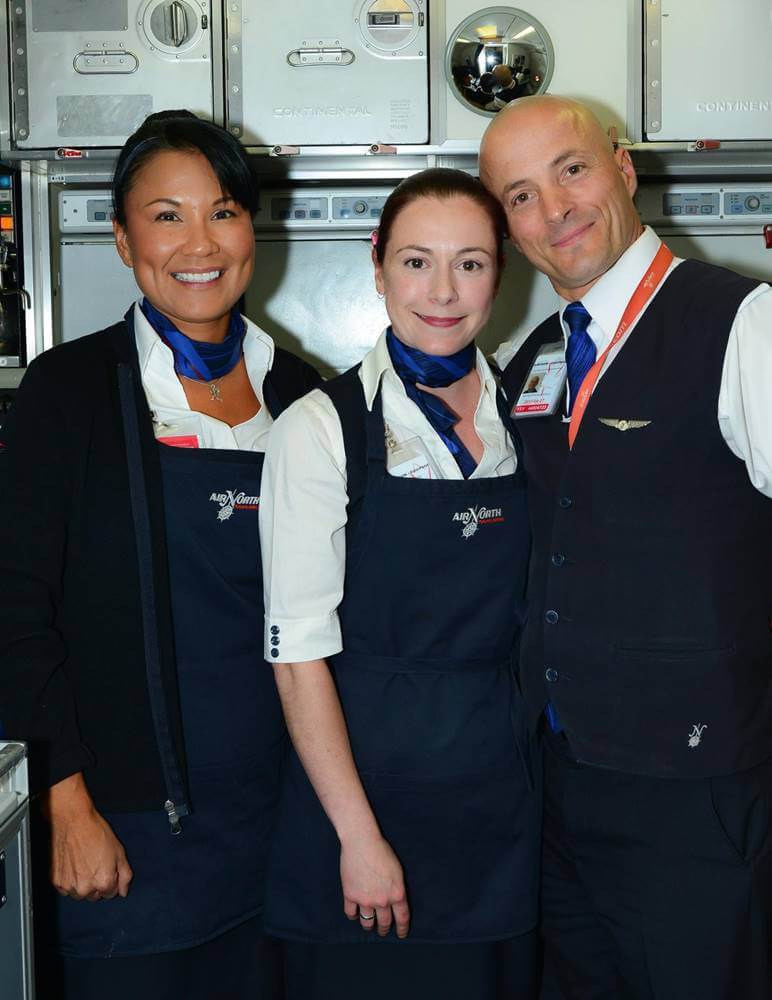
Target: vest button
(558,558)
(274,640)
(551,675)
(274,653)
(552,617)
(274,629)
(565,502)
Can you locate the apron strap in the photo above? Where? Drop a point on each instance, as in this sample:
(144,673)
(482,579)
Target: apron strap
(288,379)
(509,424)
(347,396)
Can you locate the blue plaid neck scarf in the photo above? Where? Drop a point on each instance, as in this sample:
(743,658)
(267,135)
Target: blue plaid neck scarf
(198,359)
(436,372)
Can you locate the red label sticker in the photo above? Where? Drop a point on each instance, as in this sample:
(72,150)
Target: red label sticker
(530,408)
(183,441)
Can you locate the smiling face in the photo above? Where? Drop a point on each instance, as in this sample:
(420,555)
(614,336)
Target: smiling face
(566,193)
(439,273)
(191,246)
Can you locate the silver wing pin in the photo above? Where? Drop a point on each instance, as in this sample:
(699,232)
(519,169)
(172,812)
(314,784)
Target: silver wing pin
(623,424)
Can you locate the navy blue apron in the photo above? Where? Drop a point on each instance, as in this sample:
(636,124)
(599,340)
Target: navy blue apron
(433,598)
(191,887)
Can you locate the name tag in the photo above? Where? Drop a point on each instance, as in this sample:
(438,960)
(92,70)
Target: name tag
(407,460)
(544,384)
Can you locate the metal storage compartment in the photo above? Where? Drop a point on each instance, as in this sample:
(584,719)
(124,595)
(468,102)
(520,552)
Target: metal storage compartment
(330,74)
(16,973)
(87,73)
(708,70)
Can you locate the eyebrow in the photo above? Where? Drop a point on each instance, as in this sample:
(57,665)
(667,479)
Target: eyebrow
(177,203)
(413,246)
(561,158)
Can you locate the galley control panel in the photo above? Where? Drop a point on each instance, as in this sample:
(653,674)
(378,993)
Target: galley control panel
(332,209)
(279,211)
(700,204)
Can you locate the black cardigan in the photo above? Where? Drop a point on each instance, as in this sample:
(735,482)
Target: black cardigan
(73,678)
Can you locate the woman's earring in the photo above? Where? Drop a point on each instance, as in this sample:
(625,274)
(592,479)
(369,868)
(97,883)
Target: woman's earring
(380,295)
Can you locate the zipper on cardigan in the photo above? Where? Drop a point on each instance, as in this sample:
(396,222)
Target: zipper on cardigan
(173,817)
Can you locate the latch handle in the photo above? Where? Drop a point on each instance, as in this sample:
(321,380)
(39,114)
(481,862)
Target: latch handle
(300,58)
(179,24)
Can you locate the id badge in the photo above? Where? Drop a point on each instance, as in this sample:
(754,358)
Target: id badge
(543,387)
(407,460)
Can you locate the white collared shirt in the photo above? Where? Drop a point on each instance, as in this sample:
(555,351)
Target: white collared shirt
(745,397)
(172,415)
(304,497)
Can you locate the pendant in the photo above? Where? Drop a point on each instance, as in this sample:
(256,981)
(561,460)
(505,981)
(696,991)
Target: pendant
(214,392)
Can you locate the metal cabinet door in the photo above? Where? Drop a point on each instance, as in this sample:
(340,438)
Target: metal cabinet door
(95,289)
(88,72)
(334,72)
(708,70)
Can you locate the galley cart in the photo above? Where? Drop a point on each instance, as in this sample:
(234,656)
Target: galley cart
(16,973)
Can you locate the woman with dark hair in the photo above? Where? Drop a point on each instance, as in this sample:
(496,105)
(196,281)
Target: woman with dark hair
(131,653)
(395,543)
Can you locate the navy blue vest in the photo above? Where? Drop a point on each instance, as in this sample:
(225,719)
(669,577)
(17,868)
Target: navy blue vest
(650,583)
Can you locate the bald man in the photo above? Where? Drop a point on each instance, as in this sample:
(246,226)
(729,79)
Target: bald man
(647,657)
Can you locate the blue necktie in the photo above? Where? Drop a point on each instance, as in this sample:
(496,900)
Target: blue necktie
(580,350)
(580,357)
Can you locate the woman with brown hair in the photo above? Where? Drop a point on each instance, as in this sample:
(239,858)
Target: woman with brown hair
(395,544)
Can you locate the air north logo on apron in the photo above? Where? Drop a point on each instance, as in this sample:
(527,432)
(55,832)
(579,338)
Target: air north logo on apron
(474,517)
(230,501)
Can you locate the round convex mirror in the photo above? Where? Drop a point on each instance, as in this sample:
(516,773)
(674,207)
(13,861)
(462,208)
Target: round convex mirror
(497,55)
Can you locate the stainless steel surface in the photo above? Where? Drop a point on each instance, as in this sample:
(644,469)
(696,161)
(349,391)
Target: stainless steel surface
(95,70)
(5,93)
(37,255)
(18,67)
(14,299)
(234,76)
(83,267)
(10,378)
(653,67)
(16,967)
(332,75)
(715,74)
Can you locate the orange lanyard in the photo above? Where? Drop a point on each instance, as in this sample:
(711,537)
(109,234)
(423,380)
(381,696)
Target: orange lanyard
(646,288)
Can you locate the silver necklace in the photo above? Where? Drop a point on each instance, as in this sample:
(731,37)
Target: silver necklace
(215,393)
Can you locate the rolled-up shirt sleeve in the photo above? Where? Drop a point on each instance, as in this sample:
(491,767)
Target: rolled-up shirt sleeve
(745,398)
(303,532)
